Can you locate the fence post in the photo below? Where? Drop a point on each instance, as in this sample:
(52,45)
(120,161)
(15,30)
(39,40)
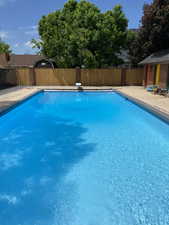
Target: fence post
(123,77)
(145,76)
(34,77)
(78,75)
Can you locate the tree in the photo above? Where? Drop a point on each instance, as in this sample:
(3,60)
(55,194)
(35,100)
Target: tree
(4,48)
(153,34)
(79,34)
(132,47)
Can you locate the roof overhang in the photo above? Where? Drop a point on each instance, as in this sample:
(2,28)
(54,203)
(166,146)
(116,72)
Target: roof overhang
(161,57)
(153,63)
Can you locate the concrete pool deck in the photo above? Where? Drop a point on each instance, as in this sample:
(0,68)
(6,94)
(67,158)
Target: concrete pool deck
(156,103)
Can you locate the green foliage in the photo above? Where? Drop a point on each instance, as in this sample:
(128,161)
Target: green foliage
(153,35)
(79,34)
(131,45)
(4,48)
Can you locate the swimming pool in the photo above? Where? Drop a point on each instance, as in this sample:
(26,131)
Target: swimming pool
(83,158)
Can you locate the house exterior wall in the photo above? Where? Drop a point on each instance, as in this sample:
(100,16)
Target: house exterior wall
(145,76)
(163,76)
(156,75)
(150,75)
(157,78)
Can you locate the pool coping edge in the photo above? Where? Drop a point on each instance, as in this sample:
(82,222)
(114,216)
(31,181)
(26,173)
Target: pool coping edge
(149,108)
(13,105)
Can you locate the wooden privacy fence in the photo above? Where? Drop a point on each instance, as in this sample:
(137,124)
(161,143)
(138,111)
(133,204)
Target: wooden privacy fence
(55,76)
(88,77)
(101,77)
(25,77)
(134,76)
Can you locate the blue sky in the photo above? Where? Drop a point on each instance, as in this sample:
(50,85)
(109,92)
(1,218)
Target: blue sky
(19,18)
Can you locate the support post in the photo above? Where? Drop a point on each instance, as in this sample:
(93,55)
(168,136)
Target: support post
(123,77)
(33,77)
(78,75)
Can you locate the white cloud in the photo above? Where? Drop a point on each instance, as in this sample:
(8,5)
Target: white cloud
(16,45)
(19,39)
(31,30)
(29,44)
(3,35)
(31,27)
(34,27)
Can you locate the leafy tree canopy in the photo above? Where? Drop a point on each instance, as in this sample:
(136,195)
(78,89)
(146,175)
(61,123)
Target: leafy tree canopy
(79,34)
(153,34)
(4,48)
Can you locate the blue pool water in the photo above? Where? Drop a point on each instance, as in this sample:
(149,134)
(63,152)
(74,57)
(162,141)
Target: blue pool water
(83,158)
